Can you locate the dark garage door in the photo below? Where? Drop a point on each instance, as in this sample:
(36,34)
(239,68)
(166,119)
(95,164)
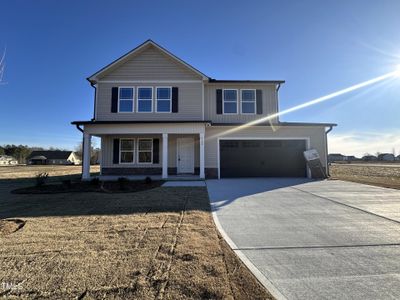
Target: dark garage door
(262,158)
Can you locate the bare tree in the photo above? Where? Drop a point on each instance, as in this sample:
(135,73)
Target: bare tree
(2,66)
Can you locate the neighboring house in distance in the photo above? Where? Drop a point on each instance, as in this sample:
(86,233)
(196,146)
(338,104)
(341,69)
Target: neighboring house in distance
(53,158)
(351,158)
(386,157)
(398,157)
(336,157)
(369,158)
(157,115)
(6,160)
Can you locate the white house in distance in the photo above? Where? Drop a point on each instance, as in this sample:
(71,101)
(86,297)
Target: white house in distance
(6,160)
(53,158)
(157,115)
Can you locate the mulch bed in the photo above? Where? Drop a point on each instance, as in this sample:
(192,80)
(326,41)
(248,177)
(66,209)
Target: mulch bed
(84,186)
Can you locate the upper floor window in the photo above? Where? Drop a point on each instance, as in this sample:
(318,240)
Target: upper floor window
(230,101)
(248,98)
(163,99)
(145,99)
(125,99)
(127,151)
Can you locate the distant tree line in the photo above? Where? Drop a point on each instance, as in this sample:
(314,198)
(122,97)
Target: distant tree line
(21,152)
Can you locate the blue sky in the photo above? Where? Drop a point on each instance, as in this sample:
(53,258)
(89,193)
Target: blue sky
(318,47)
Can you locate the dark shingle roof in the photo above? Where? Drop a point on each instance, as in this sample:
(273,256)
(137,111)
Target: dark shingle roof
(51,154)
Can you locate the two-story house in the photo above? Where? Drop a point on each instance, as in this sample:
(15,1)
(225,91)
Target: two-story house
(158,115)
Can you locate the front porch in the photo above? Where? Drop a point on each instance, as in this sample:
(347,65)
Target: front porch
(135,151)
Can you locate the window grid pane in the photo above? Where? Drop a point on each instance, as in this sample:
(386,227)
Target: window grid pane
(163,105)
(248,95)
(145,93)
(128,145)
(126,93)
(144,105)
(126,157)
(248,107)
(164,93)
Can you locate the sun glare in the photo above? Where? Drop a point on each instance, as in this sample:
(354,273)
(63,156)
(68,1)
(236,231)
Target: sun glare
(398,71)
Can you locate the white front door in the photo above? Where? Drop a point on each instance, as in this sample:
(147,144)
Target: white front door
(185,155)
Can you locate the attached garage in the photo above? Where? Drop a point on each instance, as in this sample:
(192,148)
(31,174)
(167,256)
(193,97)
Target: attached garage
(262,158)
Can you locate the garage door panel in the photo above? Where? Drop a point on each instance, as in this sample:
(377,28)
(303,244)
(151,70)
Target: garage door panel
(262,158)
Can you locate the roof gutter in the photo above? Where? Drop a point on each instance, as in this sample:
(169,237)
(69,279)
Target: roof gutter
(78,126)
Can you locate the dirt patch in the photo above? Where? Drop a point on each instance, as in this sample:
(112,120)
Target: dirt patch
(10,226)
(83,187)
(384,176)
(154,244)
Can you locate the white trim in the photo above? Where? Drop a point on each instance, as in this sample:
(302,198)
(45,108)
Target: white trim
(138,151)
(202,100)
(201,154)
(307,139)
(170,100)
(95,100)
(149,81)
(145,128)
(164,155)
(137,99)
(133,99)
(223,102)
(254,102)
(133,151)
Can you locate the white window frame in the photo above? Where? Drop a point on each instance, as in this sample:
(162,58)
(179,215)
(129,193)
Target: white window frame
(137,99)
(244,101)
(170,99)
(133,99)
(138,151)
(229,101)
(133,151)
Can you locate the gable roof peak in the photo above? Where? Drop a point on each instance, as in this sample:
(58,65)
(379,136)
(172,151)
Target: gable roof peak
(94,78)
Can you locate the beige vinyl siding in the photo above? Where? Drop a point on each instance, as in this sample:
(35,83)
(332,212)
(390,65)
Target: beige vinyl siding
(107,150)
(270,102)
(189,100)
(150,64)
(315,134)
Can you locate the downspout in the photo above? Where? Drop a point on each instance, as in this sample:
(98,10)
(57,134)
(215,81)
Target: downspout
(326,145)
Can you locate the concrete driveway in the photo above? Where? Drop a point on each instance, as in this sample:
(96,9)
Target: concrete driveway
(313,239)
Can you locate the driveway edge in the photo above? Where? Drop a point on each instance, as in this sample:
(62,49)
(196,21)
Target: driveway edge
(253,269)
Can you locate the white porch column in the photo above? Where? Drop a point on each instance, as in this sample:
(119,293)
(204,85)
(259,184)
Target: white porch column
(165,155)
(86,156)
(201,136)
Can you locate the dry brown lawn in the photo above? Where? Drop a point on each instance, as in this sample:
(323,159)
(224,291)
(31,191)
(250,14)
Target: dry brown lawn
(155,244)
(385,176)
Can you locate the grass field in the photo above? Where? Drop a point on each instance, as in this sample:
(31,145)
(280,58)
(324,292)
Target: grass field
(155,244)
(380,175)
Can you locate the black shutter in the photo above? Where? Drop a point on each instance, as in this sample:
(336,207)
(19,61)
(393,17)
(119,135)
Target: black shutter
(219,102)
(259,102)
(156,151)
(114,99)
(116,151)
(174,99)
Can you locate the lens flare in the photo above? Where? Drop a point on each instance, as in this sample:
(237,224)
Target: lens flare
(312,102)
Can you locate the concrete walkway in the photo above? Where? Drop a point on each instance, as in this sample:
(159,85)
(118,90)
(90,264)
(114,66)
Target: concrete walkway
(313,239)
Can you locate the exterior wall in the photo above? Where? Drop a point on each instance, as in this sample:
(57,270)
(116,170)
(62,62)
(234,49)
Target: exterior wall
(316,135)
(107,151)
(189,102)
(150,64)
(270,102)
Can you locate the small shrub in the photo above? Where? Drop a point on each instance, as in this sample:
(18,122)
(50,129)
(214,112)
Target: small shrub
(95,181)
(67,183)
(41,178)
(122,183)
(148,180)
